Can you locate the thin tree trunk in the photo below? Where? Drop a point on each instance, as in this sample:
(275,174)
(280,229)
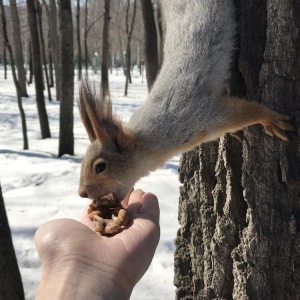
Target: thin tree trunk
(118,25)
(18,48)
(105,49)
(51,77)
(86,54)
(5,62)
(79,58)
(11,286)
(151,44)
(129,30)
(43,52)
(30,63)
(239,204)
(66,135)
(55,45)
(37,69)
(16,82)
(160,38)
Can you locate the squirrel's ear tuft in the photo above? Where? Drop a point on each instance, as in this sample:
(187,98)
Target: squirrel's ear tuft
(85,104)
(96,115)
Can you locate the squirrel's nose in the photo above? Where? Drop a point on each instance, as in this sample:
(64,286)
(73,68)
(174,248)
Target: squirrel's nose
(82,193)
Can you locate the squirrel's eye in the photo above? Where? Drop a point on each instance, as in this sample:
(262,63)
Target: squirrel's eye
(100,167)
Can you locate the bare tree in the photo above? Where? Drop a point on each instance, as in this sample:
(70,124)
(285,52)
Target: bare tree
(86,57)
(66,135)
(79,58)
(239,204)
(5,62)
(119,18)
(30,62)
(11,286)
(151,44)
(129,30)
(105,49)
(87,28)
(43,52)
(160,38)
(51,77)
(37,69)
(51,11)
(18,52)
(14,73)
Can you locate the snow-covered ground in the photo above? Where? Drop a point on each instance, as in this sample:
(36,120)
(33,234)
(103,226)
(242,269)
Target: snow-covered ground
(37,186)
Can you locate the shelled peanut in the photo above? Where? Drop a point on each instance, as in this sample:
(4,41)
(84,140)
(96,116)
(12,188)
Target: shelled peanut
(108,215)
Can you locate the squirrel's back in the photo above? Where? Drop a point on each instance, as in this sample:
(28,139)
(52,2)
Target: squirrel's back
(197,53)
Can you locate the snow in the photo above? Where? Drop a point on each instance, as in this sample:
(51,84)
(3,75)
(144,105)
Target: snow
(37,186)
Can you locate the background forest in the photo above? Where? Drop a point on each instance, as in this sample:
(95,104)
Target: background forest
(45,48)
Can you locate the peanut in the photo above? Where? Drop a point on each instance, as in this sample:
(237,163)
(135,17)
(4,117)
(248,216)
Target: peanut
(108,215)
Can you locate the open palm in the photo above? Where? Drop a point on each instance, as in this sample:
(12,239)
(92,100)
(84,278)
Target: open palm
(122,259)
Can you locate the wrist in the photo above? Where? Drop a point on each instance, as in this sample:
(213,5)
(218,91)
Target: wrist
(81,280)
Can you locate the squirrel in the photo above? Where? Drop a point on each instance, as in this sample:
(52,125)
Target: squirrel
(185,106)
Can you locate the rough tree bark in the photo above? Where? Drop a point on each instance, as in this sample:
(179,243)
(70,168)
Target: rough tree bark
(151,42)
(66,134)
(105,49)
(11,286)
(18,52)
(239,204)
(37,69)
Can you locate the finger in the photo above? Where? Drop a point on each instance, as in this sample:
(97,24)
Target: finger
(126,199)
(135,201)
(150,207)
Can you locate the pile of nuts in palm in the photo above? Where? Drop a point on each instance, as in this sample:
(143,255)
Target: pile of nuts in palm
(108,215)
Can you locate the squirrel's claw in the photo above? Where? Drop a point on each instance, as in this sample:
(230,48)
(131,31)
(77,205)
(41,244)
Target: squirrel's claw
(277,124)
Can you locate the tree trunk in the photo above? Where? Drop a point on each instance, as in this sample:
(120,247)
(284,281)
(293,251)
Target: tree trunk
(5,62)
(129,30)
(160,36)
(43,52)
(239,203)
(18,53)
(86,54)
(30,78)
(79,59)
(55,45)
(105,49)
(151,45)
(37,69)
(11,286)
(66,135)
(16,82)
(51,77)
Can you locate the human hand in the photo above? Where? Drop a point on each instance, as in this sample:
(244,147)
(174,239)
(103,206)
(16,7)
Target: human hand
(78,264)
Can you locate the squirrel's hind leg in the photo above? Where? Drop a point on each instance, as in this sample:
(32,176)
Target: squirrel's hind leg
(234,114)
(240,113)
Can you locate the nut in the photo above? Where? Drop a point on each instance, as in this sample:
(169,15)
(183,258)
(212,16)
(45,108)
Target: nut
(93,214)
(108,215)
(112,228)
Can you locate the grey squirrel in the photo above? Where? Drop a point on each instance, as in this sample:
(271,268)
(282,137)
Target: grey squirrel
(185,106)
